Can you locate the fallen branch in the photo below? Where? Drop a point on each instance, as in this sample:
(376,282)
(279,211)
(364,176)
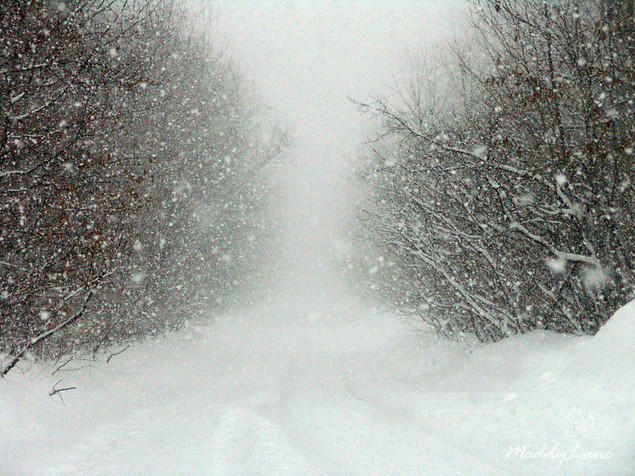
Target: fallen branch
(58,391)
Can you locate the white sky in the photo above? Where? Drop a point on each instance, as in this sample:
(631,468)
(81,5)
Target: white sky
(306,57)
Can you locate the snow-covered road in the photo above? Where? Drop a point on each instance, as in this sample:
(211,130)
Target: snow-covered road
(325,389)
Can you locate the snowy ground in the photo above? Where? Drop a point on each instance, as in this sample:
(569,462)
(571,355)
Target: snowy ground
(330,388)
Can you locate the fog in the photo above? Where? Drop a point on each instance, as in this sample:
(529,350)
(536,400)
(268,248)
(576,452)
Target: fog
(306,59)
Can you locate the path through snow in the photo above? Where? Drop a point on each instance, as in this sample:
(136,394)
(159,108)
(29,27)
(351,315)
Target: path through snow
(335,388)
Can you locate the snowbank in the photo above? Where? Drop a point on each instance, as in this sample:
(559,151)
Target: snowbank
(609,357)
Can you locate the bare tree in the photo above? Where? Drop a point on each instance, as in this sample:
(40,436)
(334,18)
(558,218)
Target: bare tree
(512,207)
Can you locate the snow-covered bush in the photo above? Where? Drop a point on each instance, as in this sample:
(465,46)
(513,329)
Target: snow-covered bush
(504,191)
(130,172)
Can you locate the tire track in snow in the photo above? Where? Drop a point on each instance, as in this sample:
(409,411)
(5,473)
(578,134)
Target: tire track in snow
(247,443)
(344,433)
(235,439)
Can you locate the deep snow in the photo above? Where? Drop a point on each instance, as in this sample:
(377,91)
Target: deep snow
(331,388)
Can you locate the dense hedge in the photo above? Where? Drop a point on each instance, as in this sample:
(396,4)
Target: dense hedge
(130,173)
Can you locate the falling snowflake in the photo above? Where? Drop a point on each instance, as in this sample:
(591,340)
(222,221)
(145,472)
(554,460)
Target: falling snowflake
(557,265)
(594,277)
(480,151)
(561,179)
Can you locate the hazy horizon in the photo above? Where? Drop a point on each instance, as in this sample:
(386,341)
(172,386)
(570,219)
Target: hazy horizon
(306,59)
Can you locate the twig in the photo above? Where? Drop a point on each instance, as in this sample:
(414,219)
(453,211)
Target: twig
(58,391)
(11,265)
(592,260)
(63,365)
(117,353)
